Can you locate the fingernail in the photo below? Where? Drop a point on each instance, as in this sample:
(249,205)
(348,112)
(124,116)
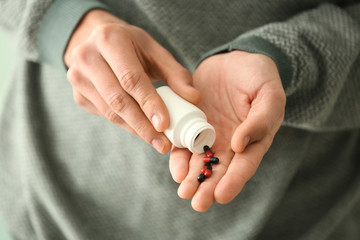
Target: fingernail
(158,144)
(246,141)
(155,121)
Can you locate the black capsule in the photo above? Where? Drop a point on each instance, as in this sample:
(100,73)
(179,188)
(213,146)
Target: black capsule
(206,148)
(211,159)
(201,177)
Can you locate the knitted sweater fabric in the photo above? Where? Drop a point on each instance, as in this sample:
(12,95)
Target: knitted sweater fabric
(66,174)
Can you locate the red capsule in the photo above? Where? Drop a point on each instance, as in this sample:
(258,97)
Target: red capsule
(209,154)
(207,173)
(208,151)
(211,159)
(203,170)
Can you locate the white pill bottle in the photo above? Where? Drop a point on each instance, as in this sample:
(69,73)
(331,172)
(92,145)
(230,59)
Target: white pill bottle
(188,124)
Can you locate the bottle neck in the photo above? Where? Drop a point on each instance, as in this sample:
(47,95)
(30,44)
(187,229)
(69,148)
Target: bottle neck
(196,134)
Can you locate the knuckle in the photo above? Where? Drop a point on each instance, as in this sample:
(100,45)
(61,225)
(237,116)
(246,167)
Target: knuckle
(147,103)
(117,103)
(129,80)
(111,116)
(102,33)
(141,129)
(79,100)
(81,53)
(73,76)
(184,73)
(107,33)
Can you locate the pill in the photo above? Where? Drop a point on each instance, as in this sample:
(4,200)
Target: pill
(203,169)
(206,148)
(201,177)
(211,159)
(208,151)
(207,173)
(207,166)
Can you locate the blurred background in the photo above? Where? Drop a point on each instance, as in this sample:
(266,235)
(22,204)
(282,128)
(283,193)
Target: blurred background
(6,58)
(6,61)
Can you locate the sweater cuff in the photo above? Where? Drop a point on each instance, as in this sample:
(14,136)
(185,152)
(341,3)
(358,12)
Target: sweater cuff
(254,44)
(57,26)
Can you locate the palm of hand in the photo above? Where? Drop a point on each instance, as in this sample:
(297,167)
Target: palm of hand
(241,97)
(225,108)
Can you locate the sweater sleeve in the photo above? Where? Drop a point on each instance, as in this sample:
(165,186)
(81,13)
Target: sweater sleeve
(317,54)
(57,26)
(42,28)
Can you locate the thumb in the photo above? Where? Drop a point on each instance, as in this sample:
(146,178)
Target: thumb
(246,133)
(180,80)
(174,74)
(263,121)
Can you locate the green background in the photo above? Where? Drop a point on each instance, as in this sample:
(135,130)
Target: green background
(6,58)
(6,61)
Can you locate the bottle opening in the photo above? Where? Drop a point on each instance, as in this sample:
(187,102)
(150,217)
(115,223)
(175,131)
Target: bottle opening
(197,136)
(197,133)
(205,137)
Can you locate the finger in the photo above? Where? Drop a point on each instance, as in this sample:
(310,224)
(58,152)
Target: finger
(177,77)
(77,80)
(190,184)
(121,104)
(242,167)
(179,163)
(180,80)
(84,90)
(264,119)
(85,103)
(124,62)
(204,196)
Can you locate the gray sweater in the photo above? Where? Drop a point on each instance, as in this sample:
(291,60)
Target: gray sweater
(65,174)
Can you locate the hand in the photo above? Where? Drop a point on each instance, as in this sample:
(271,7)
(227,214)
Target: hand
(111,67)
(244,100)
